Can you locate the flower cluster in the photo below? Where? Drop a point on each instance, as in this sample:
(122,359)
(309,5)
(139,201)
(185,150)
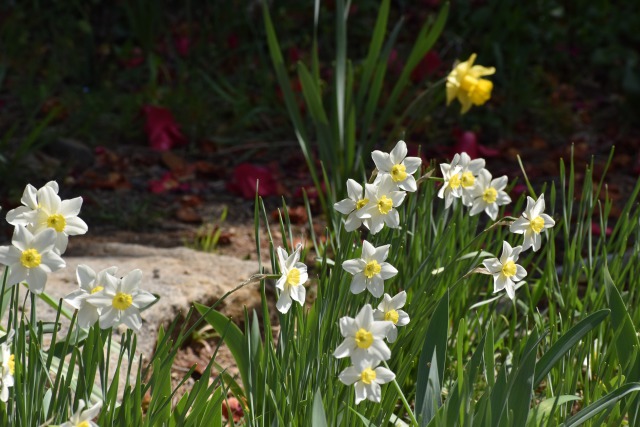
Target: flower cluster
(104,298)
(374,206)
(43,225)
(365,335)
(468,180)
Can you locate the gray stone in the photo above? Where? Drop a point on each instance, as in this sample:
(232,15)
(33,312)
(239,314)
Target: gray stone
(180,276)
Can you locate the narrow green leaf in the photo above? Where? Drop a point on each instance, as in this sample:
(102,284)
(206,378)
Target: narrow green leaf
(566,342)
(232,336)
(435,341)
(545,409)
(318,417)
(606,402)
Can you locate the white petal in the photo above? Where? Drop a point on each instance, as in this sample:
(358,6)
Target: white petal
(392,335)
(548,221)
(85,276)
(44,240)
(70,208)
(521,273)
(537,241)
(354,190)
(282,258)
(298,293)
(381,253)
(109,317)
(29,197)
(511,292)
(392,219)
(387,271)
(399,152)
(142,299)
(376,286)
(76,298)
(358,283)
(284,302)
(368,251)
(374,394)
(365,317)
(399,300)
(349,375)
(131,282)
(17,216)
(361,393)
(519,226)
(382,161)
(49,200)
(409,184)
(75,226)
(492,210)
(353,266)
(87,316)
(37,279)
(412,164)
(132,320)
(345,206)
(493,265)
(506,252)
(353,222)
(344,349)
(384,375)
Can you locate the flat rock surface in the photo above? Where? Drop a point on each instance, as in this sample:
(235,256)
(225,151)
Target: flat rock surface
(180,276)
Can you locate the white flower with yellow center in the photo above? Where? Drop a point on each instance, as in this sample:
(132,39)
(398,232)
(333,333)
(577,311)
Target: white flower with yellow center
(370,271)
(89,283)
(489,194)
(532,223)
(352,206)
(470,169)
(22,214)
(398,166)
(59,215)
(465,83)
(363,337)
(291,283)
(31,258)
(389,309)
(121,301)
(506,273)
(7,369)
(366,376)
(452,187)
(82,418)
(384,198)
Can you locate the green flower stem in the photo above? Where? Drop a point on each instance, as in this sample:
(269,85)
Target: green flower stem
(414,422)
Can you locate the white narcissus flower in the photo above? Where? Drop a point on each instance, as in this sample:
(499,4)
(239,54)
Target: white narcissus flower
(89,283)
(7,367)
(370,271)
(29,200)
(291,283)
(470,169)
(352,206)
(59,215)
(452,187)
(389,309)
(366,376)
(506,273)
(532,222)
(82,418)
(31,258)
(121,301)
(488,194)
(384,198)
(363,337)
(398,166)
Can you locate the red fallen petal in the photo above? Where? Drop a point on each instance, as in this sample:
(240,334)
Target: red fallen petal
(294,54)
(161,128)
(426,67)
(485,151)
(244,180)
(233,41)
(519,189)
(182,44)
(596,230)
(467,143)
(234,407)
(168,182)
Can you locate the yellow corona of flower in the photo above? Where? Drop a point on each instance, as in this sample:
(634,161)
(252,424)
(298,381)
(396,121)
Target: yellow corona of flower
(465,83)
